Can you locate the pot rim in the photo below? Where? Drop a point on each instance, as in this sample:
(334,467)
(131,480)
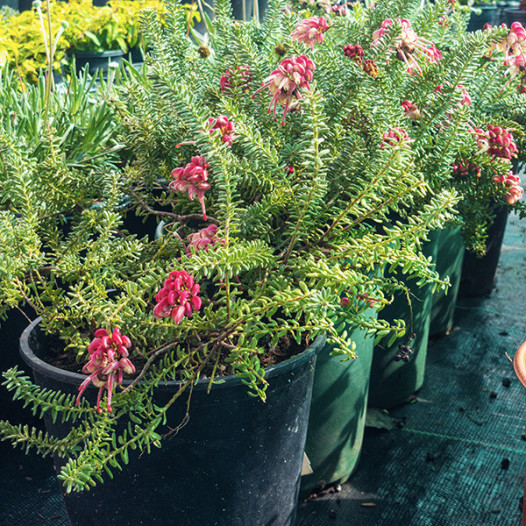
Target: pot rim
(519,364)
(99,54)
(69,377)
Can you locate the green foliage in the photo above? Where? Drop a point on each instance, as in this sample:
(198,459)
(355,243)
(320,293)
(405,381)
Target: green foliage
(307,212)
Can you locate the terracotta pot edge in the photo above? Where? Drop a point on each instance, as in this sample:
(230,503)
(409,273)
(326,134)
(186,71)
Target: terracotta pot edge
(519,364)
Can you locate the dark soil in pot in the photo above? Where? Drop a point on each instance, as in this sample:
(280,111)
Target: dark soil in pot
(237,462)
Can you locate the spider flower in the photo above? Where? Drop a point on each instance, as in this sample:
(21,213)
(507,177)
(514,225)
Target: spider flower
(284,83)
(202,240)
(513,184)
(225,127)
(310,31)
(178,297)
(370,68)
(193,178)
(501,143)
(411,110)
(394,136)
(409,45)
(338,10)
(464,168)
(515,43)
(355,53)
(108,361)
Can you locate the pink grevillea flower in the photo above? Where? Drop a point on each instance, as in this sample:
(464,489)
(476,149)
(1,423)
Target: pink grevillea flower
(108,360)
(193,178)
(370,68)
(464,168)
(202,240)
(355,53)
(225,127)
(310,31)
(409,46)
(411,110)
(394,136)
(442,21)
(290,169)
(513,184)
(242,77)
(370,301)
(284,83)
(515,43)
(338,10)
(465,100)
(178,297)
(500,143)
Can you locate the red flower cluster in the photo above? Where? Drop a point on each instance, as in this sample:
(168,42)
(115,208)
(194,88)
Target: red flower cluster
(178,297)
(243,78)
(193,178)
(310,31)
(225,127)
(338,10)
(500,142)
(410,45)
(370,68)
(513,183)
(284,83)
(411,110)
(464,168)
(394,136)
(202,240)
(108,360)
(355,53)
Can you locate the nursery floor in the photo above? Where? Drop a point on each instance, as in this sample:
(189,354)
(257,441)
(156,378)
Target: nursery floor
(456,459)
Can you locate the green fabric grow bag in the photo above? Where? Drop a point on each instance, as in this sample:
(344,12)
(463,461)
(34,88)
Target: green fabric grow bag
(394,382)
(449,257)
(337,414)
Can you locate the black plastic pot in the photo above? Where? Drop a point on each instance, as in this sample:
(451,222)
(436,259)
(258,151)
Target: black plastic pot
(337,415)
(10,332)
(98,61)
(236,463)
(488,15)
(514,15)
(239,11)
(448,262)
(478,274)
(394,382)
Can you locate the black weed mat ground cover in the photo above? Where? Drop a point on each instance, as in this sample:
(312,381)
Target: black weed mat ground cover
(456,456)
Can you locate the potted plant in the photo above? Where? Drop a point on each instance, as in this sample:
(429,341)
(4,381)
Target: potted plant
(25,44)
(485,172)
(264,238)
(485,82)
